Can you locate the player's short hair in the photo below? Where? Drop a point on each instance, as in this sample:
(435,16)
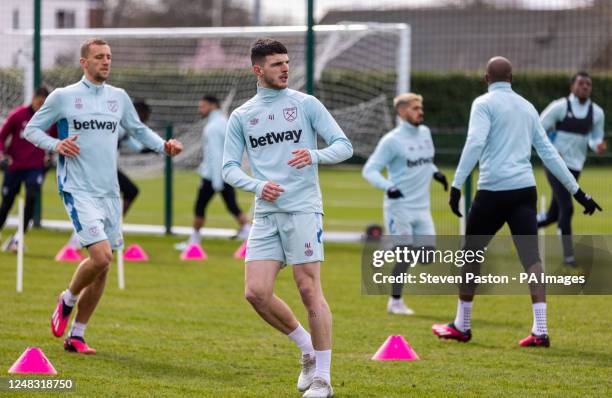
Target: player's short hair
(266,46)
(41,91)
(406,99)
(211,99)
(94,41)
(141,106)
(581,73)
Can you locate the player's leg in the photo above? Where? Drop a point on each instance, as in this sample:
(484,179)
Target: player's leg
(128,189)
(33,183)
(87,217)
(399,226)
(10,189)
(566,212)
(204,195)
(552,214)
(229,197)
(485,218)
(302,242)
(523,226)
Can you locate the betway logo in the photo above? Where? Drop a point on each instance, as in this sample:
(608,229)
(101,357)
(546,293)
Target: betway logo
(94,124)
(419,162)
(273,138)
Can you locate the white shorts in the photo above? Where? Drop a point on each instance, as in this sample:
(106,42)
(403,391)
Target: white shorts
(95,219)
(415,227)
(286,237)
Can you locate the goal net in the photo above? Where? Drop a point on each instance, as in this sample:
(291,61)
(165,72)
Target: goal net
(358,70)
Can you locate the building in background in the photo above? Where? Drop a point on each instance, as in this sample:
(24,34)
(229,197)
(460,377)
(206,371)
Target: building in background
(18,16)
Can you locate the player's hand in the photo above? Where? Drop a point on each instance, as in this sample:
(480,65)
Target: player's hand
(394,193)
(173,147)
(587,202)
(453,201)
(441,178)
(68,147)
(4,162)
(601,147)
(301,158)
(271,191)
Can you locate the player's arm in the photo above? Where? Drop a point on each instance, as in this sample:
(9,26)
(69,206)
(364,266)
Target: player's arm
(553,113)
(232,159)
(382,156)
(553,162)
(596,135)
(478,131)
(141,132)
(216,156)
(436,173)
(129,143)
(5,130)
(47,115)
(339,147)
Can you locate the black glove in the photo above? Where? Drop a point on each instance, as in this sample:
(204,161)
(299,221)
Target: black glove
(394,193)
(453,201)
(441,178)
(4,164)
(587,202)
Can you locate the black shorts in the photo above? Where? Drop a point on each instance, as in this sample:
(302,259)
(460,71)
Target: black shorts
(126,186)
(492,209)
(205,194)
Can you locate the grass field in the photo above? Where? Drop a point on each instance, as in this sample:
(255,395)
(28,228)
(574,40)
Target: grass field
(184,329)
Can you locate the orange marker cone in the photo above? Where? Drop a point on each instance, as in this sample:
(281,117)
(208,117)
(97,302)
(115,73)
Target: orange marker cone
(241,251)
(33,361)
(135,253)
(69,253)
(395,348)
(194,252)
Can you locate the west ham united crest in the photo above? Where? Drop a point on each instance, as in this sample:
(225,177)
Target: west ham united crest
(308,250)
(113,106)
(290,114)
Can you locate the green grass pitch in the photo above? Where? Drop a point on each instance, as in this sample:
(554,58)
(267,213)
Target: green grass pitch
(184,329)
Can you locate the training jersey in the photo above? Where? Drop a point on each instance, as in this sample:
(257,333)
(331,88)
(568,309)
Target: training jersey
(572,146)
(94,113)
(269,127)
(213,138)
(24,155)
(502,129)
(407,152)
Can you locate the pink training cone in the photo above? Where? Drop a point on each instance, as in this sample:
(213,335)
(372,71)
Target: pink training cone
(135,253)
(68,253)
(395,348)
(194,252)
(33,361)
(241,251)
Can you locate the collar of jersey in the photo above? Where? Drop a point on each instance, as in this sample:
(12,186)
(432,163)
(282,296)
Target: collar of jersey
(408,127)
(500,86)
(93,88)
(270,94)
(575,100)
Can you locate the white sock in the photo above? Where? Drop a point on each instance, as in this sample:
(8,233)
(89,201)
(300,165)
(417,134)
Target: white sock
(323,365)
(302,339)
(539,319)
(396,300)
(78,329)
(463,319)
(195,238)
(69,298)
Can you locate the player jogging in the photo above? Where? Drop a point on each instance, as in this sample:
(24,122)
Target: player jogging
(213,137)
(502,129)
(573,123)
(23,163)
(278,128)
(407,152)
(89,114)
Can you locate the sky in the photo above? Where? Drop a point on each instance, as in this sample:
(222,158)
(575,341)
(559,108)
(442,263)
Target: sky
(295,10)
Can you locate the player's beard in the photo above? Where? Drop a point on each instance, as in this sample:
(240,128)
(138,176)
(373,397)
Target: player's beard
(272,83)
